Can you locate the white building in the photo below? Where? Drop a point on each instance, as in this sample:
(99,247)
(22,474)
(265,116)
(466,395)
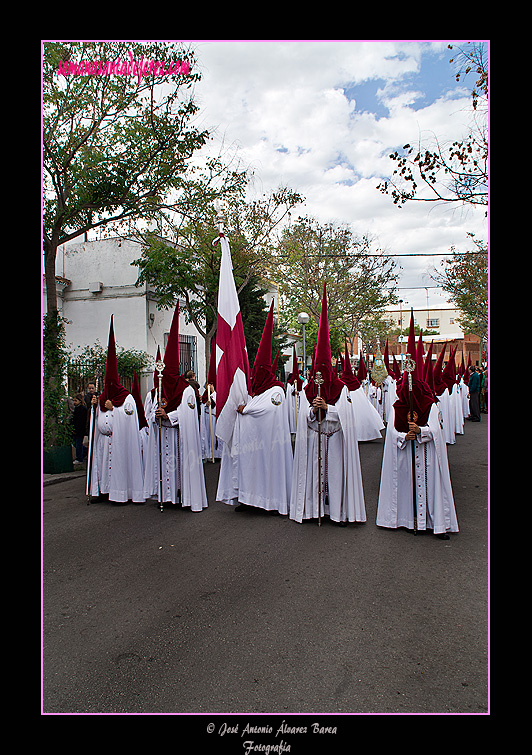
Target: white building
(95,279)
(444,320)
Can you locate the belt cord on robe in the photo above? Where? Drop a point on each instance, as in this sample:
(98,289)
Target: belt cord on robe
(160,367)
(410,366)
(92,427)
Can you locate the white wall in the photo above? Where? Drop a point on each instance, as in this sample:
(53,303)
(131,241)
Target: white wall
(88,314)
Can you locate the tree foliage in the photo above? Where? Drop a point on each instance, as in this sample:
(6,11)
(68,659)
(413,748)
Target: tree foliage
(309,255)
(457,172)
(113,145)
(464,276)
(188,267)
(57,430)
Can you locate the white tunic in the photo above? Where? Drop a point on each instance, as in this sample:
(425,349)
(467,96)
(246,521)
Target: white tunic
(183,480)
(448,417)
(293,402)
(257,470)
(117,466)
(464,391)
(341,477)
(434,495)
(368,420)
(456,400)
(206,419)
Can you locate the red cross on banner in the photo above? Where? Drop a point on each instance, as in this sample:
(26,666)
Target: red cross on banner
(232,366)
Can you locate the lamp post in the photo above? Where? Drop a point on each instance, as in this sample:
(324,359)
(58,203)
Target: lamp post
(303,318)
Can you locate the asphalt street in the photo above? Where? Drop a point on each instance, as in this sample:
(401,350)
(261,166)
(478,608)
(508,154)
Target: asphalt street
(221,613)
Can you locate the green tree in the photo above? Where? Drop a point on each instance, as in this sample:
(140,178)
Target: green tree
(92,360)
(57,430)
(309,255)
(188,267)
(114,143)
(464,276)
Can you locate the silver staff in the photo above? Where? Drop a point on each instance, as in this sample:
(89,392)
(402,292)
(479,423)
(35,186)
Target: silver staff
(92,428)
(410,366)
(159,366)
(318,379)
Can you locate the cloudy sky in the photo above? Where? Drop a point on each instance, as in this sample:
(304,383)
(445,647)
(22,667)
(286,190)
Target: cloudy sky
(322,117)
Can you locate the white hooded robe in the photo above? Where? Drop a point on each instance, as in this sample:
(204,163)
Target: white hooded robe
(434,495)
(205,431)
(257,469)
(368,420)
(182,465)
(340,469)
(117,468)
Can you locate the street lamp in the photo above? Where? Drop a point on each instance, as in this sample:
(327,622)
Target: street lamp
(303,318)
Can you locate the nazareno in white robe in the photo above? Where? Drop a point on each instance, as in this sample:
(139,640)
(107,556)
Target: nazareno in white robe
(183,479)
(368,420)
(117,465)
(205,431)
(434,495)
(340,469)
(257,469)
(293,401)
(448,418)
(456,399)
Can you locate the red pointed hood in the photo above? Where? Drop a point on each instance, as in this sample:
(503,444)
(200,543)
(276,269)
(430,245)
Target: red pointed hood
(420,354)
(449,372)
(348,376)
(428,360)
(428,369)
(112,389)
(135,392)
(332,385)
(362,371)
(439,384)
(423,398)
(396,369)
(422,395)
(467,373)
(294,375)
(173,383)
(263,372)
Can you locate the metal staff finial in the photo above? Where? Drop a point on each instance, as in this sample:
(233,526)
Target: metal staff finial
(410,366)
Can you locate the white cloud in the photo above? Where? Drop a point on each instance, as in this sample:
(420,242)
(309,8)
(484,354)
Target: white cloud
(293,111)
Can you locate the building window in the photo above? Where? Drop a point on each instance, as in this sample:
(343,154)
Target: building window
(451,320)
(433,323)
(187,352)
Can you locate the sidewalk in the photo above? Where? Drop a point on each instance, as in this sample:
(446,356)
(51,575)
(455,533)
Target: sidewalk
(80,470)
